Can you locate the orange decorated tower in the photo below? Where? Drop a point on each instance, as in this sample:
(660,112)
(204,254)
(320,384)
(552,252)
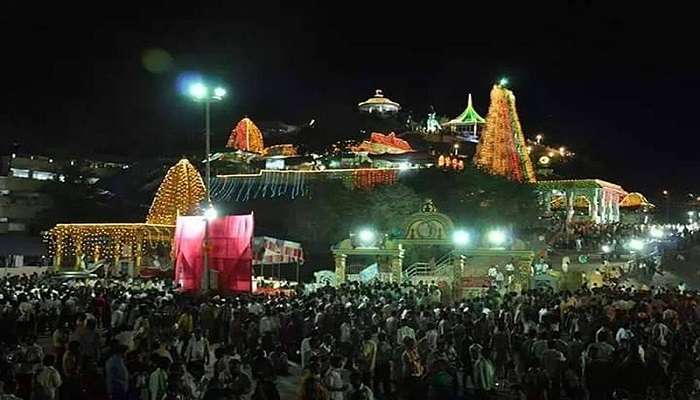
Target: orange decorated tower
(502,149)
(246,136)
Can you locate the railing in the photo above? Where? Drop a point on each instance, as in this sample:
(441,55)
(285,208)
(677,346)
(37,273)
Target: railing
(443,267)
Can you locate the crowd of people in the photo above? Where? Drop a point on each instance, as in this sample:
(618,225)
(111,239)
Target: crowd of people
(111,339)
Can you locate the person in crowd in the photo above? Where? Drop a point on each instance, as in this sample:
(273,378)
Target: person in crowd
(158,380)
(9,390)
(333,379)
(116,374)
(48,380)
(197,352)
(484,373)
(402,341)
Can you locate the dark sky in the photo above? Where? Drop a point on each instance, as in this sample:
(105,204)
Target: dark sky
(617,83)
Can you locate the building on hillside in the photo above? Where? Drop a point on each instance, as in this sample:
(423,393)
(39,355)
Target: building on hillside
(379,105)
(468,124)
(22,197)
(582,200)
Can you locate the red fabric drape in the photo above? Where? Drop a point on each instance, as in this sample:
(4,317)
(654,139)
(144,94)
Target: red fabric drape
(230,252)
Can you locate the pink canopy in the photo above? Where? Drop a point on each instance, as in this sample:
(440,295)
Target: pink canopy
(230,252)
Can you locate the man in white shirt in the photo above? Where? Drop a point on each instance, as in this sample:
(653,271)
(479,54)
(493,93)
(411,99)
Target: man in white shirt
(404,332)
(333,380)
(510,273)
(48,379)
(500,280)
(623,334)
(197,349)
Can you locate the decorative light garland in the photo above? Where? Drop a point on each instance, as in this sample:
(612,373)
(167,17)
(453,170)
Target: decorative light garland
(501,149)
(247,137)
(180,193)
(107,241)
(294,183)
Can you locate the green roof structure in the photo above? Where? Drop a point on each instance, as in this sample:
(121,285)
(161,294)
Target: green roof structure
(468,117)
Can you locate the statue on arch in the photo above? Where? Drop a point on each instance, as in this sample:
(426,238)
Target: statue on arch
(432,125)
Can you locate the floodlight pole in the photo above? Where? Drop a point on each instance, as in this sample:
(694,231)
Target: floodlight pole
(207,159)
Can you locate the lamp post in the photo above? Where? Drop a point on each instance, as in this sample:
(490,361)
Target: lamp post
(201,93)
(667,201)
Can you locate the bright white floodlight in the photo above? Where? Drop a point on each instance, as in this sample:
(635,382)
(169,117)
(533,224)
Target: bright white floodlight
(460,237)
(496,237)
(219,93)
(198,91)
(210,213)
(366,236)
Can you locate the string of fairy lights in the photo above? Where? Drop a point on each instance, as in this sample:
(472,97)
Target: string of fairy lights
(502,150)
(180,193)
(107,241)
(295,183)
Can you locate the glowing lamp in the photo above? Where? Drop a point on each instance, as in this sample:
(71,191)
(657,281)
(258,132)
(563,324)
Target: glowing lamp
(219,93)
(503,81)
(198,91)
(210,213)
(606,248)
(366,236)
(496,237)
(460,237)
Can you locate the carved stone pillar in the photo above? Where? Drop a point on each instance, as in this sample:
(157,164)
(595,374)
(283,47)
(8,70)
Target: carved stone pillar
(396,265)
(340,261)
(458,264)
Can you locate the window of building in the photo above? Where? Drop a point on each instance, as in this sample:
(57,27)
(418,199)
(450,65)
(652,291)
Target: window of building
(43,175)
(19,172)
(274,164)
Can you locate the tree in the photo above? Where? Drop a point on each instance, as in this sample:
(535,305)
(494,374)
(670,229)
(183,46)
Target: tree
(388,207)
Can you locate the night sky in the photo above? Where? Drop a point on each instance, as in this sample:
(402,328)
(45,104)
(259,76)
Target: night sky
(616,84)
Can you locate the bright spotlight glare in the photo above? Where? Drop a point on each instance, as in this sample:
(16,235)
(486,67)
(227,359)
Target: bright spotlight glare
(497,237)
(606,248)
(219,92)
(636,244)
(198,90)
(366,236)
(503,81)
(210,213)
(460,237)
